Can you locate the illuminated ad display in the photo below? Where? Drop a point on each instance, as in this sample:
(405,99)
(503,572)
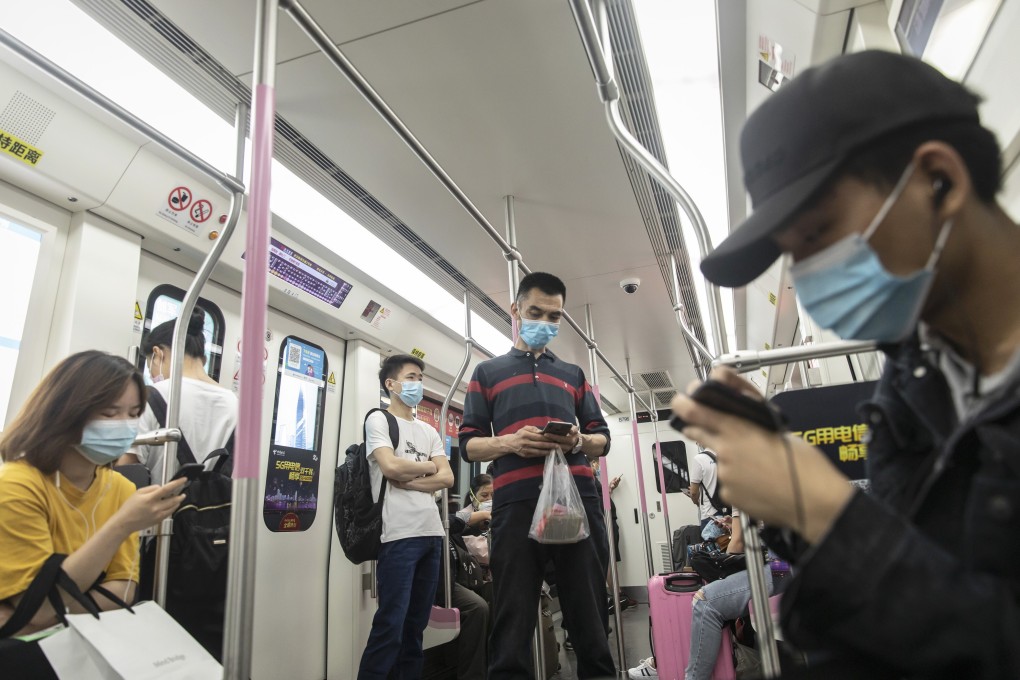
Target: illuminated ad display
(292,477)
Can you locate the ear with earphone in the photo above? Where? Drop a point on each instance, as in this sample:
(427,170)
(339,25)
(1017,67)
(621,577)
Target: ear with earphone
(941,186)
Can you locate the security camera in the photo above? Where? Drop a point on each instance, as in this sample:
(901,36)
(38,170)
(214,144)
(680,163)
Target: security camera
(630,286)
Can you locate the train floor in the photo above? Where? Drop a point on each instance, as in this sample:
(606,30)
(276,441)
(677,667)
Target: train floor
(635,637)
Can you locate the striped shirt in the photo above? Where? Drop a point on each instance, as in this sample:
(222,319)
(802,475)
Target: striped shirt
(518,389)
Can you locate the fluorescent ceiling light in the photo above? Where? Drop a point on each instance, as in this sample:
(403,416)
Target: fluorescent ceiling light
(679,40)
(76,43)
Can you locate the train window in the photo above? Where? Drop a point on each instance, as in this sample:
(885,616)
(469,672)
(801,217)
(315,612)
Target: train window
(292,477)
(674,467)
(164,304)
(19,254)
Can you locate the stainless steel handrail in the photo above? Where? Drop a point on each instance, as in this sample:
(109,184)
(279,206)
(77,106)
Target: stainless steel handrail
(596,42)
(160,436)
(750,360)
(236,189)
(322,40)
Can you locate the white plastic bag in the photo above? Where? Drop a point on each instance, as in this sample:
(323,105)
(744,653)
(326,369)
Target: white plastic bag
(559,515)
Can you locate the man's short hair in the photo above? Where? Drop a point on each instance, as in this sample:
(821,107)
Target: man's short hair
(392,365)
(882,162)
(547,283)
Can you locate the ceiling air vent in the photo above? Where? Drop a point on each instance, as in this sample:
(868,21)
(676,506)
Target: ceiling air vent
(609,407)
(658,380)
(664,397)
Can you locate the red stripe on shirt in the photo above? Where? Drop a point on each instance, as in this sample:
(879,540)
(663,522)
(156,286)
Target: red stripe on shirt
(491,392)
(533,471)
(567,387)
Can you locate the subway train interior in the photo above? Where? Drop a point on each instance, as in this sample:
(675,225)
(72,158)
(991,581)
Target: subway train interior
(119,121)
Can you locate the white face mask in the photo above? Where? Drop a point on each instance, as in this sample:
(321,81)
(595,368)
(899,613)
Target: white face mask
(485,506)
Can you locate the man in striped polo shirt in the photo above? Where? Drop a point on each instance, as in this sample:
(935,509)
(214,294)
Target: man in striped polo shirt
(509,401)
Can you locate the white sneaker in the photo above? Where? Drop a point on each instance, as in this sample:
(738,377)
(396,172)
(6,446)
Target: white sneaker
(646,669)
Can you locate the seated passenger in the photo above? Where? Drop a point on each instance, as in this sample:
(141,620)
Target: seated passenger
(208,413)
(58,494)
(478,511)
(874,173)
(470,645)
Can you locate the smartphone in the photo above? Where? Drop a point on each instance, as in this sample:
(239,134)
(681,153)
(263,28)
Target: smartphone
(722,397)
(558,428)
(191,471)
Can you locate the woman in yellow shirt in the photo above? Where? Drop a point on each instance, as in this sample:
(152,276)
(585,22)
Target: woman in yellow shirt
(58,493)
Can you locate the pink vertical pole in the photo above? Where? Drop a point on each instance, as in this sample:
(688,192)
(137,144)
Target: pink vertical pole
(255,290)
(244,512)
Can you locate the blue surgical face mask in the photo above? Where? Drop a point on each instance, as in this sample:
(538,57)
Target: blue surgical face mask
(537,334)
(846,289)
(411,393)
(104,441)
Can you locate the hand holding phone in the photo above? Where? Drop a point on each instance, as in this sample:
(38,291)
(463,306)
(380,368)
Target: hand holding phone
(558,428)
(721,397)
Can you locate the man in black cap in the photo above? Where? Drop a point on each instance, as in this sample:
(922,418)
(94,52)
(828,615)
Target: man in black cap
(874,174)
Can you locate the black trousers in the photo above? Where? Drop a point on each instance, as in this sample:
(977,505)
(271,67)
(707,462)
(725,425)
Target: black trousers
(518,564)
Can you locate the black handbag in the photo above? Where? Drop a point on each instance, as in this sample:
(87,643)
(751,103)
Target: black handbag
(25,660)
(717,565)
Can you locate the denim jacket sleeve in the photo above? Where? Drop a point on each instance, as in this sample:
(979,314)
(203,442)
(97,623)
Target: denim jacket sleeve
(875,586)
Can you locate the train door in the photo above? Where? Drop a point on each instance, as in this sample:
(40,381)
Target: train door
(301,414)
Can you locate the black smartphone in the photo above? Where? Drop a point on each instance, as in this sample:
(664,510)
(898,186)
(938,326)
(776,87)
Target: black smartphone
(722,397)
(191,471)
(558,428)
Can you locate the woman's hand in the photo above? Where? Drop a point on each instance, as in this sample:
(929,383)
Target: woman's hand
(755,473)
(149,505)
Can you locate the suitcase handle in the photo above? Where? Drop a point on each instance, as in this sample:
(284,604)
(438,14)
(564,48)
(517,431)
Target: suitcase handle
(683,583)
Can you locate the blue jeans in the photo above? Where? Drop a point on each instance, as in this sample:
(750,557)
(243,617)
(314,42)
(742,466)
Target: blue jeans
(715,604)
(407,574)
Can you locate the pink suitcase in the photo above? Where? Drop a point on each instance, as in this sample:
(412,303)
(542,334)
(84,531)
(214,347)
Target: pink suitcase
(670,602)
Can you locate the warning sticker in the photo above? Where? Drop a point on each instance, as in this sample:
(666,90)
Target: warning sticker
(179,198)
(418,353)
(182,210)
(20,149)
(201,211)
(137,325)
(331,383)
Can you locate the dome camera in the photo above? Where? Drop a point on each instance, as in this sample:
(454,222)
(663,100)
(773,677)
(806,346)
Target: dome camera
(630,286)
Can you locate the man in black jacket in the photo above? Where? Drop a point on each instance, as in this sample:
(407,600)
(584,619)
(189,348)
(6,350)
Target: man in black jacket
(874,173)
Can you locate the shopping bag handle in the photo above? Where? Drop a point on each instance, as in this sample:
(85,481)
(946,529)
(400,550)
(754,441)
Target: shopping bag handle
(46,586)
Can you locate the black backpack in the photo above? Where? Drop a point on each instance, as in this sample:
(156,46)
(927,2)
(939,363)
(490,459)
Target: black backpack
(199,547)
(358,516)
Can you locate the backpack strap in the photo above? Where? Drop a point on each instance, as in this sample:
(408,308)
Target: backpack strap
(713,496)
(158,405)
(391,420)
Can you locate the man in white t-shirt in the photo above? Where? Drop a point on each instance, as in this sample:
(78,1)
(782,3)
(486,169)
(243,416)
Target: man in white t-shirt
(407,571)
(705,487)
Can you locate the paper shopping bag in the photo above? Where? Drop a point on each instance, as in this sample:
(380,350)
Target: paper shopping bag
(130,645)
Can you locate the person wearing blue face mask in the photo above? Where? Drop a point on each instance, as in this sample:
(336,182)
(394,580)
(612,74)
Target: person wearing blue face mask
(58,494)
(874,174)
(411,548)
(509,400)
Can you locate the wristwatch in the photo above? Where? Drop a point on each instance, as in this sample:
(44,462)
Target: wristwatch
(579,444)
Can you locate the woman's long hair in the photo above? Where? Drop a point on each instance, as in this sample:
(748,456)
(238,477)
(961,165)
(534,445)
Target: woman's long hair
(52,419)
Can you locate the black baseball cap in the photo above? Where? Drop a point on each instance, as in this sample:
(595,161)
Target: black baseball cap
(799,137)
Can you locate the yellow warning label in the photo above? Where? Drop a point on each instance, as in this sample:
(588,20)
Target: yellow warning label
(772,298)
(768,346)
(20,149)
(418,353)
(332,378)
(764,373)
(138,311)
